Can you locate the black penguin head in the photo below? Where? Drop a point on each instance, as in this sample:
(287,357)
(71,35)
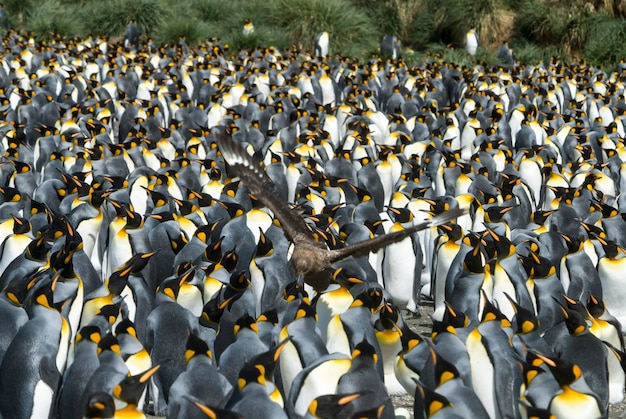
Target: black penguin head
(100,405)
(371,298)
(109,343)
(337,406)
(264,246)
(270,316)
(245,322)
(492,313)
(444,370)
(131,388)
(565,372)
(595,306)
(364,351)
(389,316)
(196,346)
(428,402)
(455,318)
(89,332)
(525,320)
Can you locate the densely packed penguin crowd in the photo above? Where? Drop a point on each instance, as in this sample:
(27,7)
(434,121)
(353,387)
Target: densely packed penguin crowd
(139,275)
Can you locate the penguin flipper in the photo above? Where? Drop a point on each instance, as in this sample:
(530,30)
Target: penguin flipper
(378,242)
(49,372)
(252,173)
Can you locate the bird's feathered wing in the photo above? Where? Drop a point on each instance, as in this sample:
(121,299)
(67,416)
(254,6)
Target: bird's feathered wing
(251,171)
(378,242)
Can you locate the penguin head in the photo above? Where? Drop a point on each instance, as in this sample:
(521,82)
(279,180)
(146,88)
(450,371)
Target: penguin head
(90,332)
(574,244)
(196,347)
(139,261)
(131,388)
(294,291)
(213,251)
(245,322)
(239,282)
(371,297)
(444,370)
(537,266)
(575,321)
(333,405)
(364,351)
(492,313)
(389,317)
(525,319)
(118,280)
(111,312)
(270,316)
(455,318)
(109,343)
(564,371)
(264,246)
(20,225)
(100,405)
(595,306)
(306,310)
(428,402)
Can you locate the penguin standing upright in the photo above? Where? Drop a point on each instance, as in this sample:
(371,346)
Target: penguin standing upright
(471,41)
(321,45)
(319,378)
(450,385)
(246,345)
(260,397)
(609,266)
(585,350)
(31,368)
(131,36)
(111,370)
(167,325)
(77,375)
(401,264)
(363,376)
(200,381)
(305,345)
(390,47)
(388,335)
(571,402)
(4,17)
(248,27)
(446,249)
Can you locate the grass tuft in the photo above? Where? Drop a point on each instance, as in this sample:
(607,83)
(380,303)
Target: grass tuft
(51,17)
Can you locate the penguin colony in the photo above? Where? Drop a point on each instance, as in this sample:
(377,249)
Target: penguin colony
(139,275)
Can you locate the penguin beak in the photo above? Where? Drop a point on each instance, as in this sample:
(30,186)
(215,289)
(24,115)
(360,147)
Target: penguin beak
(146,375)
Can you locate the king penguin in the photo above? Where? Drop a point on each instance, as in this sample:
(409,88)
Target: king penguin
(200,381)
(401,264)
(131,36)
(471,42)
(321,45)
(31,368)
(571,403)
(363,376)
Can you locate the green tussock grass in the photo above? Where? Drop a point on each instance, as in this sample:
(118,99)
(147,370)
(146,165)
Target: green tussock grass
(429,29)
(52,17)
(350,29)
(111,17)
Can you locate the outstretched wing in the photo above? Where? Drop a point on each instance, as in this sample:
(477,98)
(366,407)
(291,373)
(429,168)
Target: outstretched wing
(252,173)
(378,242)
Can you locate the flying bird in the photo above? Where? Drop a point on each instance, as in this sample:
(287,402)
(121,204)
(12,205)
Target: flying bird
(311,259)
